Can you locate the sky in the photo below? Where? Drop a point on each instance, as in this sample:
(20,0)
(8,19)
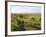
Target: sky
(20,8)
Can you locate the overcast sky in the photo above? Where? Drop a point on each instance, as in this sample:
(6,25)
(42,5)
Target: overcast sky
(20,8)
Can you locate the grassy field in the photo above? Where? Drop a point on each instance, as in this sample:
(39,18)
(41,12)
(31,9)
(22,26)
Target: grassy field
(23,22)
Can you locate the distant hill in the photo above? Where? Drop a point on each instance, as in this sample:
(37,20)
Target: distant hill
(27,14)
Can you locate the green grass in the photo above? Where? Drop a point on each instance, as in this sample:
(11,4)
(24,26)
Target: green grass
(29,20)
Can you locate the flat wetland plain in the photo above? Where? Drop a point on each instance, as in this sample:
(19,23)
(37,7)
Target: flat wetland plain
(25,22)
